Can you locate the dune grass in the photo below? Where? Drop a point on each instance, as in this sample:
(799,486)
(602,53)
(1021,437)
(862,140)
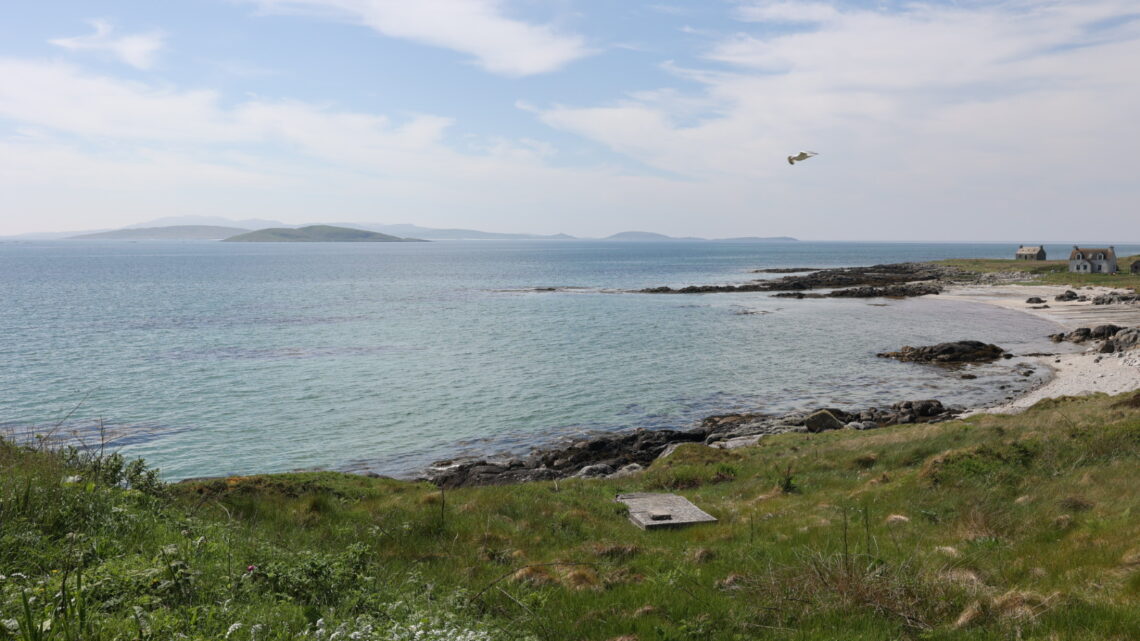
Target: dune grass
(1050,272)
(992,527)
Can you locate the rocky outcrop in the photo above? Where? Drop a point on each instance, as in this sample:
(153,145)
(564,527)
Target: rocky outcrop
(1069,295)
(821,421)
(891,291)
(954,352)
(1084,334)
(1126,339)
(1116,298)
(897,279)
(1035,300)
(1114,337)
(619,455)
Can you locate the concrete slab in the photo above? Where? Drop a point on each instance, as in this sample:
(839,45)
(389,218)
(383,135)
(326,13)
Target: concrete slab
(650,511)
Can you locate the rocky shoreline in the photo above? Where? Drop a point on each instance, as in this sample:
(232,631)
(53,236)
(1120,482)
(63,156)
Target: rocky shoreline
(612,455)
(616,455)
(895,279)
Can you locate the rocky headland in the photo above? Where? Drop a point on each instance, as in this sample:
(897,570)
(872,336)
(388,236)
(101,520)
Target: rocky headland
(896,279)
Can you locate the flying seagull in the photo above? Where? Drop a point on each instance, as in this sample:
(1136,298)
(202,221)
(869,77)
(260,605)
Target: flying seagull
(802,156)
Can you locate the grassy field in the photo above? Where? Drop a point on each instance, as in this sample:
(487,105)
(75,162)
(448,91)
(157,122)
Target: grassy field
(1050,272)
(993,527)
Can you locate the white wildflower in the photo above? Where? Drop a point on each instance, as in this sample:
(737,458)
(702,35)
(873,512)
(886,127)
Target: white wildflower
(233,628)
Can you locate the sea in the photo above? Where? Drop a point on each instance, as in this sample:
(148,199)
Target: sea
(210,359)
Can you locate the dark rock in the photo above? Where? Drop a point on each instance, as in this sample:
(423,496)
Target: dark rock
(1127,339)
(1069,295)
(894,279)
(1104,331)
(1035,300)
(953,352)
(1079,335)
(822,420)
(1116,298)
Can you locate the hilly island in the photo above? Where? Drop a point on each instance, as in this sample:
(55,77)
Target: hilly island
(318,234)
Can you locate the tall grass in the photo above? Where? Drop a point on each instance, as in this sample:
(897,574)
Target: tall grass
(993,527)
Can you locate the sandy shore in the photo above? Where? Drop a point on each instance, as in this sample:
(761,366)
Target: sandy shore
(1074,374)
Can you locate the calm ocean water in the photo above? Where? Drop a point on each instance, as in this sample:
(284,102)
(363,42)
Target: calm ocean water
(215,358)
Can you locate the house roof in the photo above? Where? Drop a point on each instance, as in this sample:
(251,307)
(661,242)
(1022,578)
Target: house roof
(1031,249)
(1087,252)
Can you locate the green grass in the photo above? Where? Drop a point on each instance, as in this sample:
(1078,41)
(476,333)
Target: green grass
(993,527)
(1050,272)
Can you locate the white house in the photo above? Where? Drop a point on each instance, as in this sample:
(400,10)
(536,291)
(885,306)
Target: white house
(1093,260)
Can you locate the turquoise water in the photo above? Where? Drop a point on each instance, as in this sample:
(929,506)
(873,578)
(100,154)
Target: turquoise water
(216,358)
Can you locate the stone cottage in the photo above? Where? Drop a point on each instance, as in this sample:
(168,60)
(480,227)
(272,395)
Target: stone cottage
(1093,260)
(1033,252)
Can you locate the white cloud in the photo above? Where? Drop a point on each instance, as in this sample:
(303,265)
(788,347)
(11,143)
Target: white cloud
(136,150)
(927,118)
(138,50)
(479,28)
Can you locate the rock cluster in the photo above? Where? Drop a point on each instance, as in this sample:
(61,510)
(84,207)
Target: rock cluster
(953,352)
(616,455)
(897,279)
(1070,295)
(1116,339)
(890,291)
(1116,298)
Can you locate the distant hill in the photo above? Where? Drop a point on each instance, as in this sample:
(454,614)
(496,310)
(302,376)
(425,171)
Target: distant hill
(644,236)
(316,234)
(173,232)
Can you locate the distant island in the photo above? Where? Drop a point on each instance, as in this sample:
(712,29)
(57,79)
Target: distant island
(317,234)
(219,228)
(174,232)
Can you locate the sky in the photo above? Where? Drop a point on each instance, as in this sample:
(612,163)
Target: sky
(956,120)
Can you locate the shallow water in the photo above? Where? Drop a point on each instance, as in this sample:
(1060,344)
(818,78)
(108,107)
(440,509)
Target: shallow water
(217,358)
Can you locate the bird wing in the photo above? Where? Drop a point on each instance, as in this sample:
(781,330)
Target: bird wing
(791,160)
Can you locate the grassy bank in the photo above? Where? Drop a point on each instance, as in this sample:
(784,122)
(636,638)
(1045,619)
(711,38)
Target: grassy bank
(1050,272)
(993,527)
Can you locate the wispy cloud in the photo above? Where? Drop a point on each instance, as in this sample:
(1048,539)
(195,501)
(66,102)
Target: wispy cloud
(479,28)
(137,50)
(137,147)
(978,111)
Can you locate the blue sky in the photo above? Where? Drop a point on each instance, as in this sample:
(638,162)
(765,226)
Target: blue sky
(933,120)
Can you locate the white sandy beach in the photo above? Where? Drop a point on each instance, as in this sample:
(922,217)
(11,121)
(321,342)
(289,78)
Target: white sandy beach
(1074,374)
